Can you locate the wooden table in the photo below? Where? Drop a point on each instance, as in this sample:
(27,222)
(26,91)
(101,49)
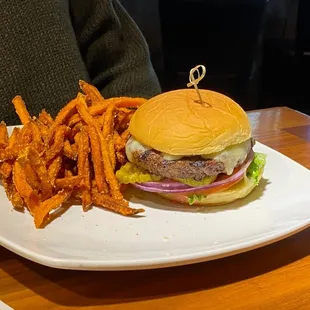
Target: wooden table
(273,277)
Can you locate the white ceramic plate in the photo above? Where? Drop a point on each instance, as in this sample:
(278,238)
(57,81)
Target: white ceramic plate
(166,234)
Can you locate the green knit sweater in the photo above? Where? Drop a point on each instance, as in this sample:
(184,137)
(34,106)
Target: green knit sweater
(46,46)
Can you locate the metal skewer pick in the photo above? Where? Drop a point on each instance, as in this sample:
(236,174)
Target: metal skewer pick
(194,81)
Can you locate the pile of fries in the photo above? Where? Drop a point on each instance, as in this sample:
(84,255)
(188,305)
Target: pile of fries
(48,162)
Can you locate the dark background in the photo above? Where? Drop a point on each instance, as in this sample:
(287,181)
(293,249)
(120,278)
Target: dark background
(255,51)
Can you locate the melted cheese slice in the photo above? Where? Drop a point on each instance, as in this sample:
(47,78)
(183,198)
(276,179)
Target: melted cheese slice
(132,146)
(230,156)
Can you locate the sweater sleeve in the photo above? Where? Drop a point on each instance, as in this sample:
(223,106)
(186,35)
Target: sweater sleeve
(113,48)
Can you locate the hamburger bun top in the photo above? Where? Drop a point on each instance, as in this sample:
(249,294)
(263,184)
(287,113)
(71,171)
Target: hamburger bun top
(176,123)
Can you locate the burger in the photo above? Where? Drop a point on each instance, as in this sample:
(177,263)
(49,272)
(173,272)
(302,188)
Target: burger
(195,151)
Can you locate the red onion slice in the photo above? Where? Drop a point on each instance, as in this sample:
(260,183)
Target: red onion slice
(171,187)
(165,184)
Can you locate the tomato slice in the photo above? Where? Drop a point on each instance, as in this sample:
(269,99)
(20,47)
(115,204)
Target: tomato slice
(224,186)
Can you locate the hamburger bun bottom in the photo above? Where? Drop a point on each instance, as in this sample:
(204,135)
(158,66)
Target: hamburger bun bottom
(237,191)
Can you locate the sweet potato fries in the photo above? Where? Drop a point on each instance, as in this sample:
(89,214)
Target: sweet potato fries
(48,162)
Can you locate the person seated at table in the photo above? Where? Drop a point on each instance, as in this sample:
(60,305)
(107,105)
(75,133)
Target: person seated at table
(48,46)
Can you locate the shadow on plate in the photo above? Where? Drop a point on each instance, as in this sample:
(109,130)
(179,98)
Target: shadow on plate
(56,214)
(152,200)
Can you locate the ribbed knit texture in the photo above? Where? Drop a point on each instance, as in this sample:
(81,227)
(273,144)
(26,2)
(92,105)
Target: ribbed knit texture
(47,46)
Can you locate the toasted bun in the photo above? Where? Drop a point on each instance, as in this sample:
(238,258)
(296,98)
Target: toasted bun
(238,191)
(176,123)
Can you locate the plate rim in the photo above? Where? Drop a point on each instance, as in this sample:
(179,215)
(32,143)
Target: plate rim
(164,262)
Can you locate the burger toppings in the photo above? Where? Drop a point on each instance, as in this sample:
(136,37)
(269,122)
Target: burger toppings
(253,175)
(233,155)
(194,168)
(250,172)
(231,180)
(131,173)
(251,168)
(256,167)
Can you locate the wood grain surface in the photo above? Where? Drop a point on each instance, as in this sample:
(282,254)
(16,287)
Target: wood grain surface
(273,277)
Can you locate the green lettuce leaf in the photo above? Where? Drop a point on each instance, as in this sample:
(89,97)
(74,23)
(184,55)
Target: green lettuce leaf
(256,166)
(193,198)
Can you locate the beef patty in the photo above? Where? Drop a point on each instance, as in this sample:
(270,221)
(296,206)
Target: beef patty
(194,167)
